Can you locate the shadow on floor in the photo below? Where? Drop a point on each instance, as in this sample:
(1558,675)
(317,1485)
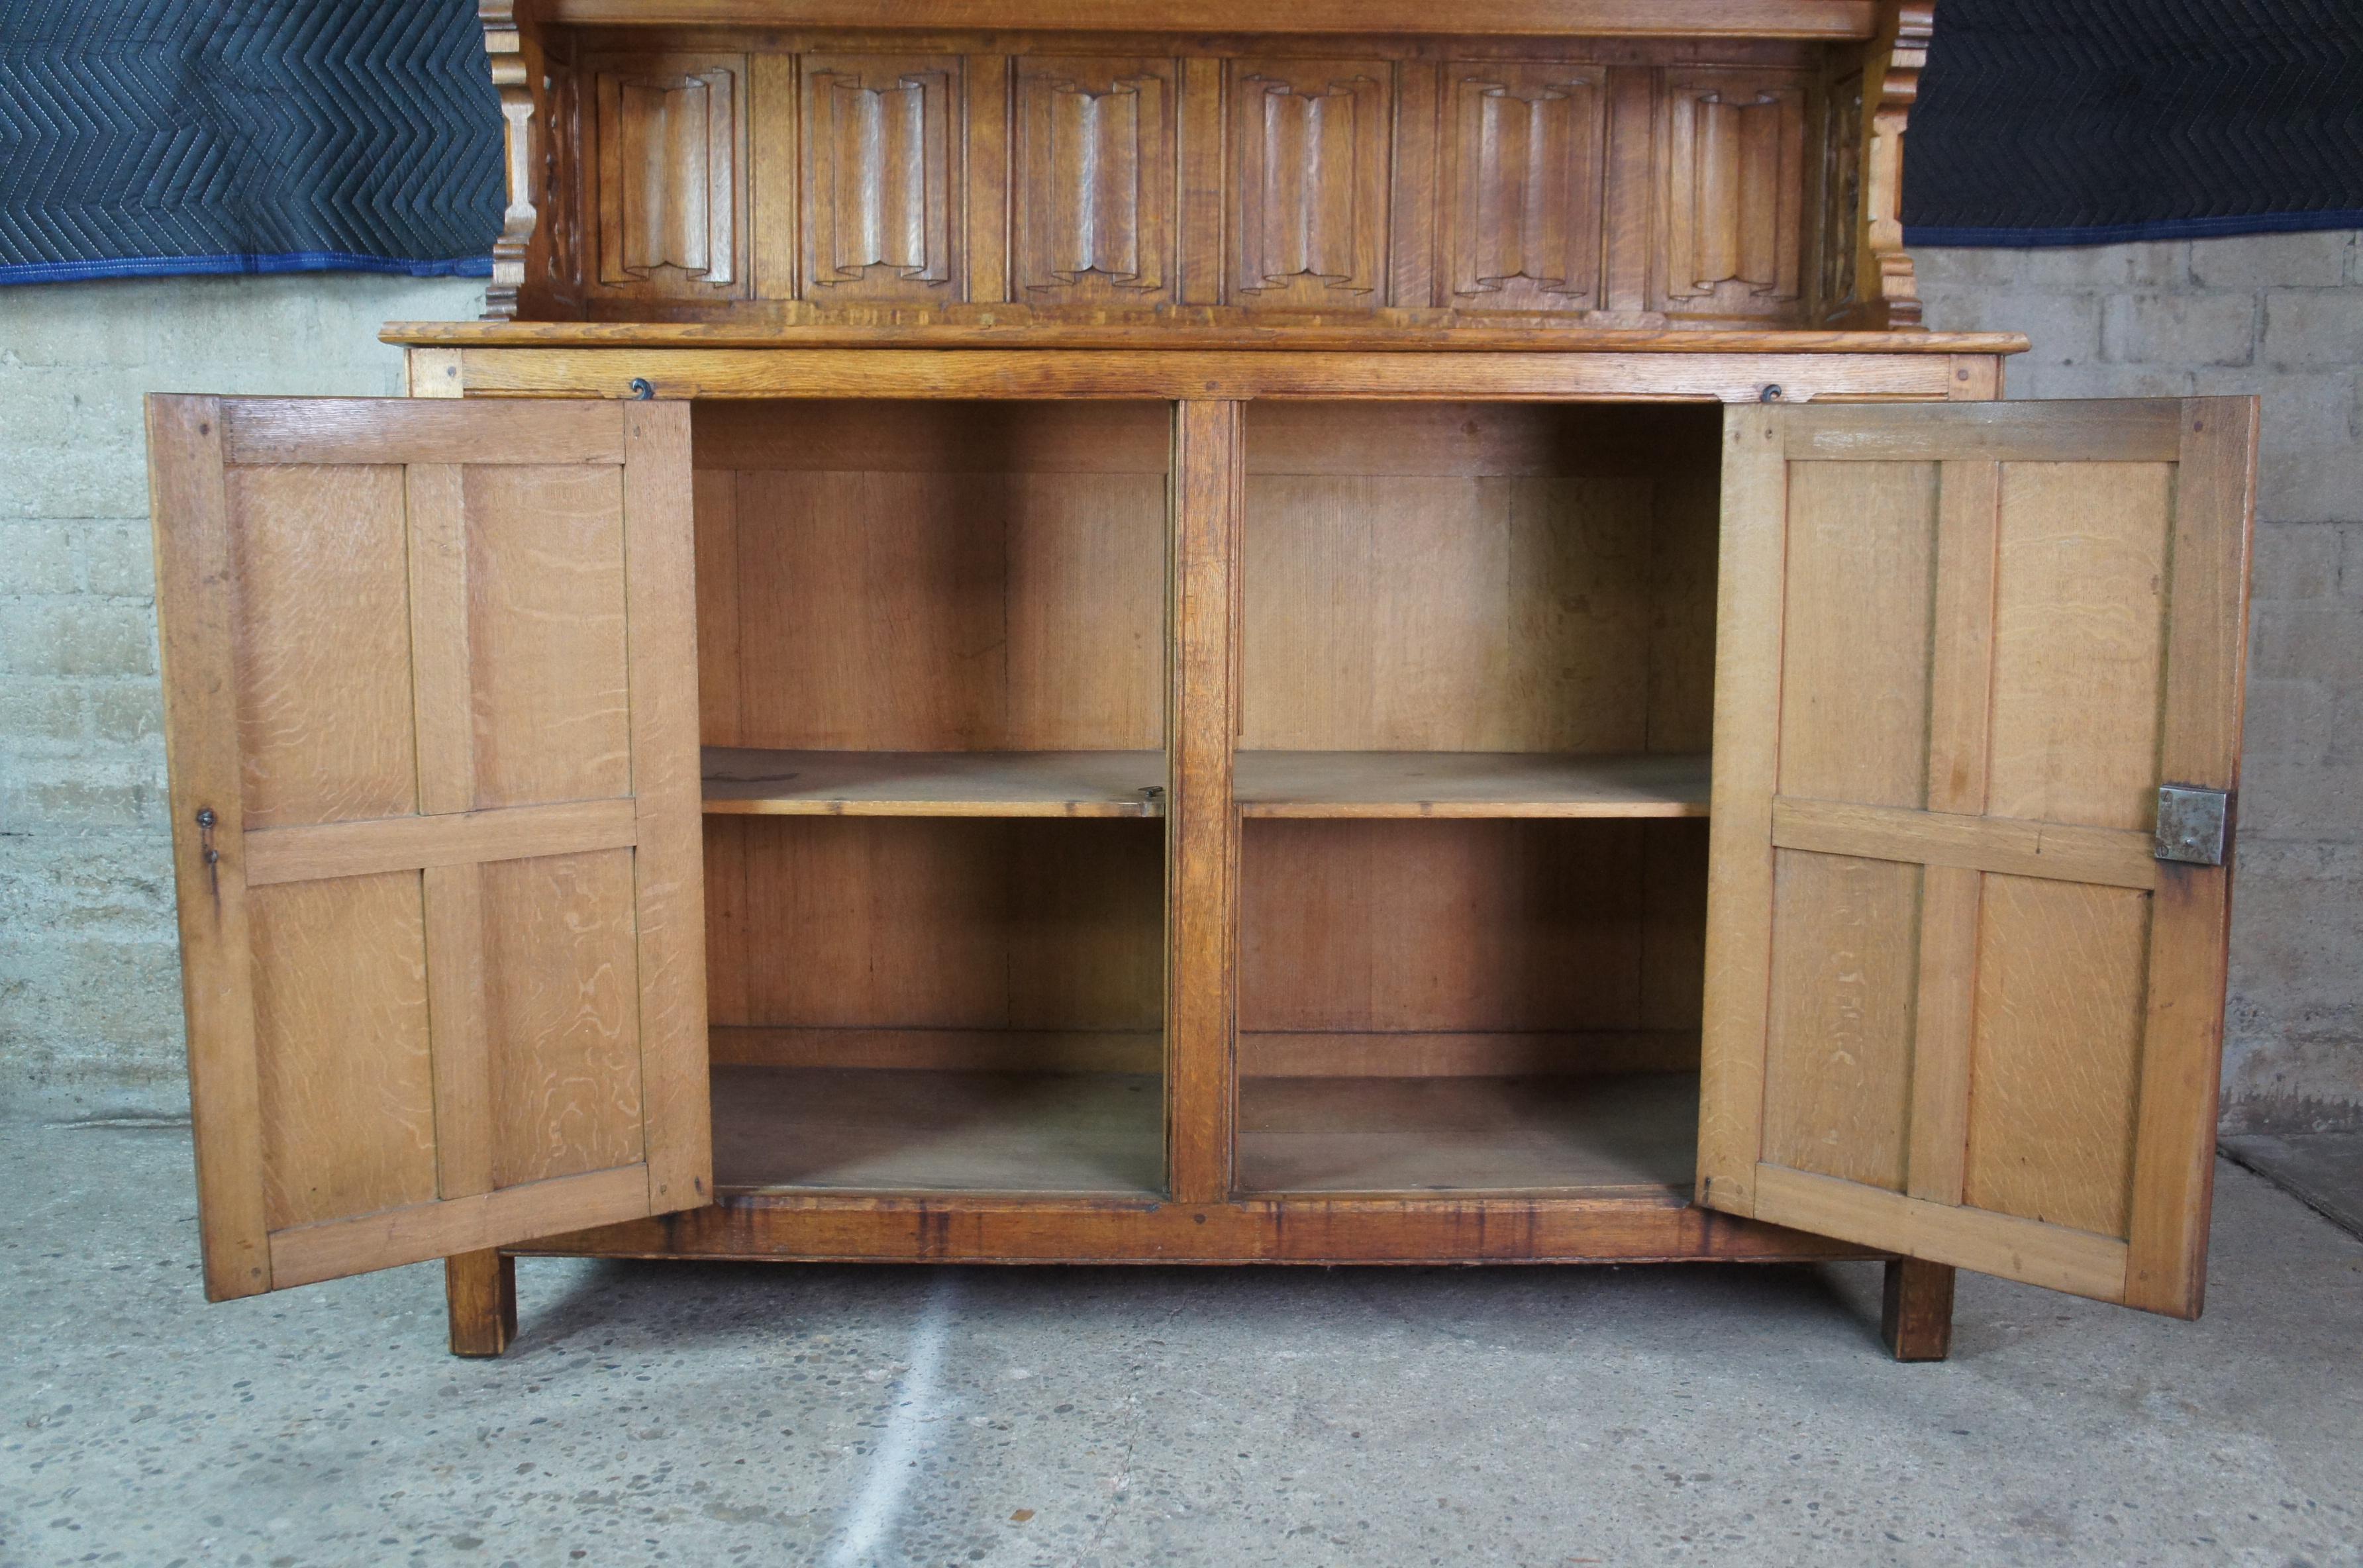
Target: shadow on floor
(2322,1170)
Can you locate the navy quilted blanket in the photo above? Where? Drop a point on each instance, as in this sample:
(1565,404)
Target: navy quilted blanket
(245,135)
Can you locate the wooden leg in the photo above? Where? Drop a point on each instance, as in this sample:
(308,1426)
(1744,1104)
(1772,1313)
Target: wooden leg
(1916,1315)
(481,1290)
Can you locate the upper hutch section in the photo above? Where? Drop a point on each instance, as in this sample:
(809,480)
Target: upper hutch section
(1551,162)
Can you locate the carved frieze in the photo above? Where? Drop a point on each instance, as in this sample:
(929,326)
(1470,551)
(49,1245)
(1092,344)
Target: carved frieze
(1609,183)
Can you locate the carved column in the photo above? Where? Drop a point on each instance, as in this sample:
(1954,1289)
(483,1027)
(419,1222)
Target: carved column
(1866,277)
(516,63)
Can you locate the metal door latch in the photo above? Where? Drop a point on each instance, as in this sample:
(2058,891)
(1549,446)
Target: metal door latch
(205,850)
(2193,826)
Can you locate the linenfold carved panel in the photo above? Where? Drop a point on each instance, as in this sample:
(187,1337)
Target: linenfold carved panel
(669,176)
(882,178)
(1524,170)
(835,176)
(1092,180)
(1311,141)
(1731,183)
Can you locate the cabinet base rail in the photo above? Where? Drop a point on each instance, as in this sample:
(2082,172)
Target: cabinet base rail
(1648,1226)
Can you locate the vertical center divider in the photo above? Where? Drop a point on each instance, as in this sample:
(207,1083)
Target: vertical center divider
(1202,823)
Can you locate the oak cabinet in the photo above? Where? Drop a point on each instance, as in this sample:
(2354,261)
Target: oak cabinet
(1117,785)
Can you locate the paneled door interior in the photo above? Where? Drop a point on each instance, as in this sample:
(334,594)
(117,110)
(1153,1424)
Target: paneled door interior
(1976,732)
(432,722)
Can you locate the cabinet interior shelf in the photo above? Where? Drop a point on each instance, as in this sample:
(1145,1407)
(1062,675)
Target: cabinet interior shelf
(933,783)
(931,1129)
(1605,1132)
(1468,784)
(934,1131)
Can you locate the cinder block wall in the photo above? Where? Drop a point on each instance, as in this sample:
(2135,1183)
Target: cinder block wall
(2280,315)
(89,989)
(90,1003)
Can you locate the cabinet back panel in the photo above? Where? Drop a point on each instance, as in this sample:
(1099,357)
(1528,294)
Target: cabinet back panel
(1481,439)
(914,922)
(901,577)
(1453,929)
(932,436)
(1474,577)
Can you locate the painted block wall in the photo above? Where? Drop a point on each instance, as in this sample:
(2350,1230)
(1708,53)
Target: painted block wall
(2280,315)
(90,1002)
(89,989)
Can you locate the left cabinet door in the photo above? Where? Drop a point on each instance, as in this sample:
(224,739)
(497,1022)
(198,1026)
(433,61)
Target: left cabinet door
(431,715)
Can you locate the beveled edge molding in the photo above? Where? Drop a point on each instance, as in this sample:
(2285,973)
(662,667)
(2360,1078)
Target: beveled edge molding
(1837,20)
(1378,336)
(675,374)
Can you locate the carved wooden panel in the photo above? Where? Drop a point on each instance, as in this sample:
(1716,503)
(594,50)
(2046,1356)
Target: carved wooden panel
(1311,141)
(1731,182)
(1523,171)
(1091,193)
(668,167)
(563,237)
(834,177)
(881,167)
(1841,192)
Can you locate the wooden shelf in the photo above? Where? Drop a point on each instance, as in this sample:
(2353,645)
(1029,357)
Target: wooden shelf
(1592,1131)
(1270,784)
(890,1130)
(933,783)
(941,1050)
(920,1130)
(1468,784)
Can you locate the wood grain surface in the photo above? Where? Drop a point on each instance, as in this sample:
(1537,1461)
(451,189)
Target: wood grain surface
(1961,1057)
(425,877)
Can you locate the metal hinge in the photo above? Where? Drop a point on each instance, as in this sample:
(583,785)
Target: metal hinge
(2193,826)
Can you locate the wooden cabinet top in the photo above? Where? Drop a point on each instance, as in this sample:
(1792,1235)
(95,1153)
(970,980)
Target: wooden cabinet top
(1830,19)
(851,172)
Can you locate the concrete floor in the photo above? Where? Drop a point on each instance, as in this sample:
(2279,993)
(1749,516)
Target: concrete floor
(750,1415)
(2322,1170)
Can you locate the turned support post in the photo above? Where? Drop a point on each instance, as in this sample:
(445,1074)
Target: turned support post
(1915,1315)
(481,1289)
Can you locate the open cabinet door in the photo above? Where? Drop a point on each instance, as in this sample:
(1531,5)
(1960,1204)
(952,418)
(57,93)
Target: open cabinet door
(1976,711)
(431,715)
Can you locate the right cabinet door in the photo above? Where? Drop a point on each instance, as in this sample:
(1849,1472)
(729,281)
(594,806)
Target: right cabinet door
(1965,987)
